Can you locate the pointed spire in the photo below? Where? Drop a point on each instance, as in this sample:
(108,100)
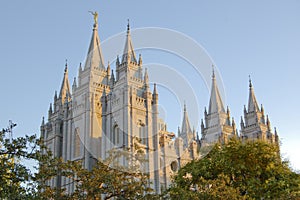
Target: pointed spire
(228,111)
(80,68)
(103,97)
(117,61)
(43,121)
(202,125)
(50,108)
(128,53)
(233,122)
(112,79)
(146,77)
(268,122)
(185,127)
(215,103)
(108,72)
(262,109)
(65,94)
(252,103)
(154,89)
(155,95)
(55,96)
(250,82)
(242,123)
(108,68)
(94,58)
(74,84)
(140,60)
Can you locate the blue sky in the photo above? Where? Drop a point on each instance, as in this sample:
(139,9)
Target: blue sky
(260,38)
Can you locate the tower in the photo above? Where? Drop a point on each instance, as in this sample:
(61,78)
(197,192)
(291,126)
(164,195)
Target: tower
(93,81)
(55,131)
(186,132)
(255,125)
(217,125)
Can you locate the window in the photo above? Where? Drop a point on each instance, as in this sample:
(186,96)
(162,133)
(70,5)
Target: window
(76,143)
(141,132)
(174,166)
(116,135)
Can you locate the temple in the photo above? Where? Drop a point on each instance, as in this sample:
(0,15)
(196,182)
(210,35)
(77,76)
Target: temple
(118,109)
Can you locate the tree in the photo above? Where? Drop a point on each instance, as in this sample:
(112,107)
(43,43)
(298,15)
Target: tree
(237,170)
(110,180)
(16,179)
(107,179)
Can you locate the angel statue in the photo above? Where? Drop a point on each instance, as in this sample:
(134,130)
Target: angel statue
(95,14)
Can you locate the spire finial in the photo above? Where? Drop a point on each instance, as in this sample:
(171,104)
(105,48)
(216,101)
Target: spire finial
(128,26)
(250,82)
(154,89)
(213,71)
(66,66)
(184,106)
(140,60)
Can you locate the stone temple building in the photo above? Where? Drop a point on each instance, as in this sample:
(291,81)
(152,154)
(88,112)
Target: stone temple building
(115,109)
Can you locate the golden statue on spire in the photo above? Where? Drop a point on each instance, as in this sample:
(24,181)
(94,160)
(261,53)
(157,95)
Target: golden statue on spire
(95,14)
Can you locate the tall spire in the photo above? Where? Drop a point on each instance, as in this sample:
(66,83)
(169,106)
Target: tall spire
(252,103)
(94,57)
(146,77)
(65,93)
(185,127)
(215,103)
(128,53)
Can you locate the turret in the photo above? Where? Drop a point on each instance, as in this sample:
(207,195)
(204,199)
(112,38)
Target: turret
(140,60)
(108,71)
(215,103)
(186,132)
(217,123)
(65,94)
(112,80)
(117,67)
(50,111)
(242,123)
(255,127)
(74,85)
(128,53)
(268,123)
(155,95)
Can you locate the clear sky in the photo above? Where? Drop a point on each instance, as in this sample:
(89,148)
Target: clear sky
(260,38)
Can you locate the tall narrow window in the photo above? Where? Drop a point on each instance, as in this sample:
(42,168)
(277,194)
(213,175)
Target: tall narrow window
(76,143)
(141,131)
(116,135)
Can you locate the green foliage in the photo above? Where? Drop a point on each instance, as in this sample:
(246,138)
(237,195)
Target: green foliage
(106,179)
(237,170)
(16,179)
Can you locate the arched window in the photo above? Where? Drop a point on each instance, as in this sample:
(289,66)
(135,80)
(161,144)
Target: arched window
(76,143)
(116,135)
(141,132)
(174,166)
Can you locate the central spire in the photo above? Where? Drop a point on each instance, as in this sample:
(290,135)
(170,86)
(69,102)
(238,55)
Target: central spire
(252,102)
(65,94)
(94,57)
(128,53)
(215,103)
(185,127)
